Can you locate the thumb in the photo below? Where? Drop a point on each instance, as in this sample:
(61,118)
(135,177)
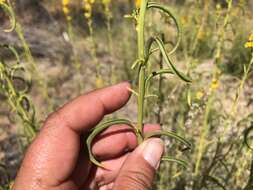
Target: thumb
(138,171)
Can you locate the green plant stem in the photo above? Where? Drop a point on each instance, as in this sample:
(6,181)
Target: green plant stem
(204,132)
(160,86)
(141,100)
(241,86)
(201,28)
(32,67)
(140,34)
(14,101)
(76,61)
(141,25)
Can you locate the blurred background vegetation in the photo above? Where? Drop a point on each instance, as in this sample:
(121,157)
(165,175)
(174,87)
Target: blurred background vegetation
(70,47)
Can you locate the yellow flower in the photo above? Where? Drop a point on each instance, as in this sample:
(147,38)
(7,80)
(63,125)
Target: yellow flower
(137,3)
(242,2)
(218,6)
(87,7)
(249,44)
(251,37)
(65,2)
(215,84)
(65,10)
(199,95)
(106,2)
(99,82)
(69,18)
(87,15)
(89,1)
(200,35)
(184,20)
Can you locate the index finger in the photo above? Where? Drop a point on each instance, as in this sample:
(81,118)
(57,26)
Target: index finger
(59,140)
(87,110)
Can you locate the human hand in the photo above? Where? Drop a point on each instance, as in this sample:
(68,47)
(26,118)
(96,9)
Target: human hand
(57,158)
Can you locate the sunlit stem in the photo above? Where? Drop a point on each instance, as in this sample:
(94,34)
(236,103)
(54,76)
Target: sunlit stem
(142,71)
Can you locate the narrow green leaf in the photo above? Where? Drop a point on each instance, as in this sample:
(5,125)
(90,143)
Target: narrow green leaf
(98,129)
(12,51)
(171,14)
(178,161)
(9,11)
(151,96)
(168,134)
(156,73)
(245,138)
(216,181)
(136,62)
(169,62)
(147,48)
(189,97)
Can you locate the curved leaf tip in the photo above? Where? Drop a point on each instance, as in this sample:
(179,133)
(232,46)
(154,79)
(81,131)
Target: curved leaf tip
(97,130)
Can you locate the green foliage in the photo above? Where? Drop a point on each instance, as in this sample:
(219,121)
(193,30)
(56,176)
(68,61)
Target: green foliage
(209,114)
(16,95)
(144,54)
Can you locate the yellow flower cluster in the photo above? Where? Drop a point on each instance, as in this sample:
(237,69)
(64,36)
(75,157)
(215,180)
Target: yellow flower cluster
(138,3)
(106,2)
(99,82)
(65,9)
(249,44)
(242,2)
(184,20)
(87,6)
(199,95)
(214,84)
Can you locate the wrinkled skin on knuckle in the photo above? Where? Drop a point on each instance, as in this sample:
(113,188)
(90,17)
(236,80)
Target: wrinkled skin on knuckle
(55,119)
(51,120)
(138,178)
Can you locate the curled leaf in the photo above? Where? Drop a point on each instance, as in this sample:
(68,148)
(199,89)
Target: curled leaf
(9,11)
(178,161)
(147,47)
(215,181)
(165,55)
(169,62)
(168,134)
(171,14)
(156,73)
(246,135)
(136,62)
(98,129)
(20,84)
(12,50)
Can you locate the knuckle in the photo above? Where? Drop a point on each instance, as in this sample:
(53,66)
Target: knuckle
(54,119)
(138,180)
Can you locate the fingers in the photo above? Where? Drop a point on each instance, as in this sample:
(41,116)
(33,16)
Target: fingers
(52,157)
(87,110)
(139,168)
(117,140)
(131,171)
(100,178)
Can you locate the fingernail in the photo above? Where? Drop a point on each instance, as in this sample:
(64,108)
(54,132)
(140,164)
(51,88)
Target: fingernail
(152,151)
